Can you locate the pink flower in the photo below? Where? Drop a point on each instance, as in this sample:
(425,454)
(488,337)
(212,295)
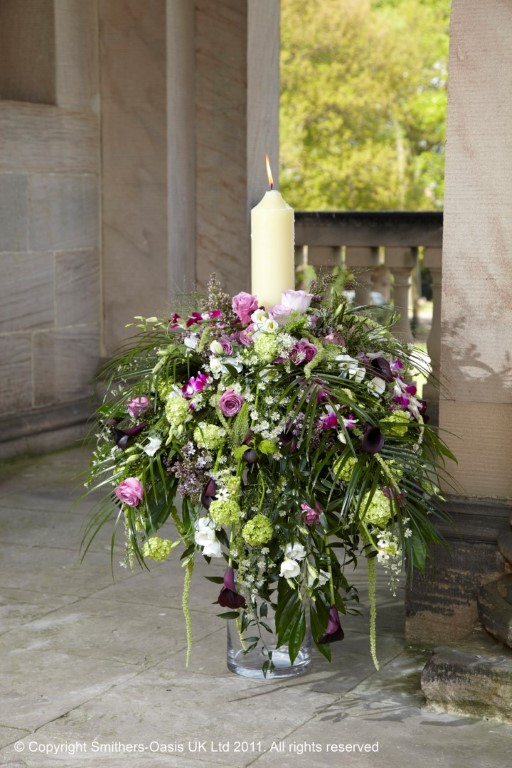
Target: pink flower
(195,318)
(137,405)
(230,403)
(244,338)
(173,320)
(130,491)
(244,304)
(280,313)
(195,384)
(296,301)
(328,421)
(302,352)
(311,516)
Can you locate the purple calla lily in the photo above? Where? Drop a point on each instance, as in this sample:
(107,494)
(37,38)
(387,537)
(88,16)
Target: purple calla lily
(372,440)
(333,631)
(229,597)
(379,366)
(209,493)
(122,436)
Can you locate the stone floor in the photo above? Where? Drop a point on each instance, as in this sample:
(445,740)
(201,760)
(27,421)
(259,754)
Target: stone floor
(93,664)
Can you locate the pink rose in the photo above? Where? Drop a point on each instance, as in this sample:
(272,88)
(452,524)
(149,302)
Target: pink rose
(230,403)
(130,491)
(297,301)
(137,405)
(244,304)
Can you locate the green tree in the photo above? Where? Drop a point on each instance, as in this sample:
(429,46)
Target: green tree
(363,103)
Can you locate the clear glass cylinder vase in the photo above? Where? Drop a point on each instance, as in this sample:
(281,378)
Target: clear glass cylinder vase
(255,653)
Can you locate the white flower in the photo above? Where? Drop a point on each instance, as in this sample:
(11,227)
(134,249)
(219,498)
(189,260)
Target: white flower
(377,386)
(270,325)
(295,551)
(191,341)
(152,445)
(350,366)
(289,568)
(259,317)
(205,537)
(216,348)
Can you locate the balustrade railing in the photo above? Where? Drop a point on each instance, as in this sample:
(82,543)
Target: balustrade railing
(381,250)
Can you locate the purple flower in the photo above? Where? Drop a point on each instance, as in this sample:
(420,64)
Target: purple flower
(397,365)
(350,421)
(311,516)
(333,631)
(194,385)
(130,491)
(230,403)
(372,440)
(296,301)
(122,436)
(288,442)
(209,493)
(137,405)
(244,338)
(411,389)
(280,313)
(401,400)
(379,366)
(302,352)
(229,597)
(173,320)
(244,304)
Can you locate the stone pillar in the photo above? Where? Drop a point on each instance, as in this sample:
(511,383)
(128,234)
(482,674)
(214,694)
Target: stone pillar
(237,102)
(475,409)
(132,49)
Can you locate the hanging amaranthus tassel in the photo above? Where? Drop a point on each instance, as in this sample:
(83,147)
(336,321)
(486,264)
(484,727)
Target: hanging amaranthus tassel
(372,595)
(189,570)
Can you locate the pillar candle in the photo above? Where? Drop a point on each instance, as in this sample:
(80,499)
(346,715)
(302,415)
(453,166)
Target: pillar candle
(272,249)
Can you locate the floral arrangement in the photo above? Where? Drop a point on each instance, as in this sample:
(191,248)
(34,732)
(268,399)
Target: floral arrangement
(288,440)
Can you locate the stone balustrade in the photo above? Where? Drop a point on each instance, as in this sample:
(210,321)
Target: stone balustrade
(381,250)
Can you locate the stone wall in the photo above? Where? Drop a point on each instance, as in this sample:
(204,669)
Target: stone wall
(49,231)
(132,140)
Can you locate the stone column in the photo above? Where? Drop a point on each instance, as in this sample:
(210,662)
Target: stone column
(475,409)
(237,102)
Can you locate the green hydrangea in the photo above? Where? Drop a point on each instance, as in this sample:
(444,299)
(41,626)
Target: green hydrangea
(343,469)
(176,410)
(257,531)
(396,424)
(209,436)
(225,512)
(157,548)
(379,511)
(266,346)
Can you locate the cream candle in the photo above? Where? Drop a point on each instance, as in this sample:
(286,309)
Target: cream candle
(272,247)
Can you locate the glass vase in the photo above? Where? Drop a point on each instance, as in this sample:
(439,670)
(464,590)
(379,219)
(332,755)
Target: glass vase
(262,659)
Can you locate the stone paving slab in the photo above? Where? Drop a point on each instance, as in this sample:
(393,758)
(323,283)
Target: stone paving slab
(92,666)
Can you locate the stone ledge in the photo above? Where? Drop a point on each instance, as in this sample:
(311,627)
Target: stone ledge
(44,429)
(474,678)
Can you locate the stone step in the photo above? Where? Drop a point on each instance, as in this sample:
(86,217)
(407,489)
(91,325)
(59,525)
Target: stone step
(474,678)
(505,544)
(495,608)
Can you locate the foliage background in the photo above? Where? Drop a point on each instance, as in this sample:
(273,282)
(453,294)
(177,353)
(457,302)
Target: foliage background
(363,103)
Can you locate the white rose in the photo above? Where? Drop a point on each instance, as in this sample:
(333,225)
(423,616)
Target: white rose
(289,568)
(295,551)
